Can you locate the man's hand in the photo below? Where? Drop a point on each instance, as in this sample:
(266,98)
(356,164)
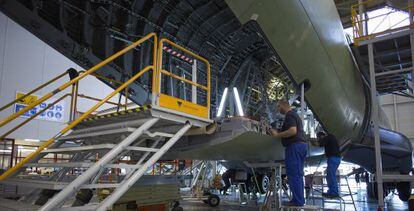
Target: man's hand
(285,134)
(273,132)
(315,142)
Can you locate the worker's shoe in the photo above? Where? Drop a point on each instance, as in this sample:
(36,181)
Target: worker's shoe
(329,195)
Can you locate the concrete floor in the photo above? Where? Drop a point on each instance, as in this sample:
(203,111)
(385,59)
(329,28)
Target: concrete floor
(230,203)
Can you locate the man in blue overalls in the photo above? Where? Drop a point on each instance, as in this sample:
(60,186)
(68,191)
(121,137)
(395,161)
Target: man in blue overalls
(293,139)
(333,155)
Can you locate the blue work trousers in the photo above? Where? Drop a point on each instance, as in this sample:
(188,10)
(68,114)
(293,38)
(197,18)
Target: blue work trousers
(295,161)
(333,164)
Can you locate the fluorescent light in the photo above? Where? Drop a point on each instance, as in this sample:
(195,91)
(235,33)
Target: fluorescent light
(223,100)
(238,103)
(34,140)
(24,149)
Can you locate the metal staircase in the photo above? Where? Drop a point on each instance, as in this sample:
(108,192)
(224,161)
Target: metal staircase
(129,140)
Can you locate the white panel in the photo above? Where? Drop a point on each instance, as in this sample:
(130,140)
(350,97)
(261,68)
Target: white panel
(54,64)
(386,99)
(23,65)
(389,111)
(405,113)
(406,118)
(3,27)
(26,62)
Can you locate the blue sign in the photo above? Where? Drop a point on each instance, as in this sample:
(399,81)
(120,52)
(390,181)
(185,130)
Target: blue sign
(54,113)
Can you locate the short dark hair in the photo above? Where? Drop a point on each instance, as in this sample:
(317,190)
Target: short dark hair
(283,102)
(320,134)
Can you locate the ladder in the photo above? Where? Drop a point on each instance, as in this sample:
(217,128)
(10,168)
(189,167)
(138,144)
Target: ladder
(273,197)
(100,144)
(342,203)
(135,171)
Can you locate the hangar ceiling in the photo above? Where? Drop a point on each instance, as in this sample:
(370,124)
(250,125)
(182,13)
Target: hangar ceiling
(89,31)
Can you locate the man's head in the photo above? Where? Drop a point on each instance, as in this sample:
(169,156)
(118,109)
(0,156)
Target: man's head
(320,134)
(283,106)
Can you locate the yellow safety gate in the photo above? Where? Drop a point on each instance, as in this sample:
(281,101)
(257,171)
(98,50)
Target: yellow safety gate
(175,103)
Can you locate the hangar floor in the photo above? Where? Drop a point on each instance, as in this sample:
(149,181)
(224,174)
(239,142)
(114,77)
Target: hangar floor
(229,203)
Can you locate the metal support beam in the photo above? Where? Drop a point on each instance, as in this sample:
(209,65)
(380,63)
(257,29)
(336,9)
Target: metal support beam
(224,65)
(411,15)
(363,16)
(375,119)
(387,37)
(394,71)
(396,123)
(194,79)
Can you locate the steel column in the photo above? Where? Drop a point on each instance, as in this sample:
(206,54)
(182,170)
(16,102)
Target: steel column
(375,119)
(194,79)
(395,113)
(363,16)
(411,14)
(126,184)
(58,199)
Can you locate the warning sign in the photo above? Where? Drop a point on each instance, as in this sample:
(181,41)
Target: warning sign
(53,113)
(27,100)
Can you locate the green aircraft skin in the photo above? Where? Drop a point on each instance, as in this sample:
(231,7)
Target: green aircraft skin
(308,37)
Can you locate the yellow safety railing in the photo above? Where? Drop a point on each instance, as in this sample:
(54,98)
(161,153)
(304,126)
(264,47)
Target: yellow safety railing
(178,104)
(88,112)
(360,19)
(75,80)
(2,137)
(34,90)
(113,82)
(159,98)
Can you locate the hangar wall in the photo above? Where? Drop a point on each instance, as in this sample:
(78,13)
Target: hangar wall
(25,63)
(400,112)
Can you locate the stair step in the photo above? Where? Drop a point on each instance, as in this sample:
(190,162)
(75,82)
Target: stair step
(88,207)
(81,165)
(52,185)
(96,147)
(76,136)
(80,148)
(168,135)
(142,149)
(61,164)
(8,204)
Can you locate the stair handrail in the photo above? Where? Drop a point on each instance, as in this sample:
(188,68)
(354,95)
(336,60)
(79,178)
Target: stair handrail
(81,76)
(74,123)
(35,90)
(2,137)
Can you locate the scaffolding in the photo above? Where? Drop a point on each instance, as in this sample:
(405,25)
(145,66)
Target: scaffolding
(377,86)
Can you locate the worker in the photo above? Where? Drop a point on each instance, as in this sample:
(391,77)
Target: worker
(333,155)
(226,177)
(357,177)
(293,139)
